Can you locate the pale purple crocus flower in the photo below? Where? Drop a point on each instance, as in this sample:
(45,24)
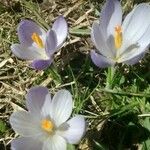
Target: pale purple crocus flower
(45,126)
(37,45)
(120,42)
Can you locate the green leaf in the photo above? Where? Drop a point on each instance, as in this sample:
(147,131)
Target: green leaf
(2,126)
(80,31)
(146,124)
(70,147)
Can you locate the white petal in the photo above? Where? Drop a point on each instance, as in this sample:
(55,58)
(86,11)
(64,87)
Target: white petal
(61,29)
(61,106)
(47,107)
(132,55)
(51,43)
(116,18)
(144,41)
(27,53)
(25,124)
(99,41)
(111,16)
(111,46)
(75,131)
(136,24)
(36,98)
(26,143)
(134,60)
(55,143)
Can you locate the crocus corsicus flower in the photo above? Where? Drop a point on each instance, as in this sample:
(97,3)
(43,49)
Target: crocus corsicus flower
(45,126)
(37,45)
(117,41)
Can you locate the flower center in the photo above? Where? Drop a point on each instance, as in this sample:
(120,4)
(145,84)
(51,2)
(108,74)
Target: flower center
(118,37)
(47,125)
(36,38)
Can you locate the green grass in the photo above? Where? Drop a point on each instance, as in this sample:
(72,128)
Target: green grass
(115,105)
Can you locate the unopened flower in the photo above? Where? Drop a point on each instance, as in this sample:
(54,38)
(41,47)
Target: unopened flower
(45,126)
(118,42)
(37,45)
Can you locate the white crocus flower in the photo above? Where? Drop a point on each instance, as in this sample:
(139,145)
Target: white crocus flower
(46,126)
(120,42)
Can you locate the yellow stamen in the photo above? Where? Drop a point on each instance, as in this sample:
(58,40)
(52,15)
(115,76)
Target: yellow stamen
(47,125)
(118,37)
(36,38)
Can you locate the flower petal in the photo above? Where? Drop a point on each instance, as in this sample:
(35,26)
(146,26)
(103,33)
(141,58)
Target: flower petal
(133,30)
(101,61)
(26,143)
(25,30)
(36,98)
(47,107)
(41,64)
(51,43)
(99,41)
(111,16)
(27,53)
(61,106)
(55,143)
(132,56)
(76,130)
(137,52)
(61,29)
(25,124)
(134,60)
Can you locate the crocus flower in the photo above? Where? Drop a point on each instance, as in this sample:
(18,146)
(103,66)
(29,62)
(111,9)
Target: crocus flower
(37,45)
(45,126)
(117,41)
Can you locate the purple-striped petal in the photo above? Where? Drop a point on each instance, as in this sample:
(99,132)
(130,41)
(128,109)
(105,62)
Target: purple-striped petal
(55,142)
(101,61)
(99,41)
(111,16)
(27,53)
(25,30)
(26,124)
(133,30)
(51,43)
(26,143)
(61,107)
(61,28)
(41,64)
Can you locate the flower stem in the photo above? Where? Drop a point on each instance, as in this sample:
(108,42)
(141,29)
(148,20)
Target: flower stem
(110,77)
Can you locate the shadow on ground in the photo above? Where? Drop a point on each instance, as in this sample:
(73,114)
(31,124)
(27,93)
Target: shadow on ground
(124,133)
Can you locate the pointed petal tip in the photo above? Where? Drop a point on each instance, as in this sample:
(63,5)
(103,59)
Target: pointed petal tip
(60,27)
